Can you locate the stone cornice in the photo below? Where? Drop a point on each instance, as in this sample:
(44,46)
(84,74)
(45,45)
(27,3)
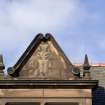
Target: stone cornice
(35,84)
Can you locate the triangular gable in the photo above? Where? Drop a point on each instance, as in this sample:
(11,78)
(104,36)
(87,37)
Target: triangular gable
(43,59)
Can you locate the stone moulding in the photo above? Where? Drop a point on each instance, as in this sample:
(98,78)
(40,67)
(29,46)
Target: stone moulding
(35,84)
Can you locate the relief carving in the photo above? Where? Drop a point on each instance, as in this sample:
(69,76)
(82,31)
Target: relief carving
(45,63)
(43,56)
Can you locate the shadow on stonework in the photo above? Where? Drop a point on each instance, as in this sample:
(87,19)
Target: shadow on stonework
(99,96)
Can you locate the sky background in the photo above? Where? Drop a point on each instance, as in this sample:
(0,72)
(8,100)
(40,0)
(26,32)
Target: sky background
(77,25)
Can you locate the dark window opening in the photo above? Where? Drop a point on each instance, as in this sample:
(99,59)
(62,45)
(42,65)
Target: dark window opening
(62,103)
(22,103)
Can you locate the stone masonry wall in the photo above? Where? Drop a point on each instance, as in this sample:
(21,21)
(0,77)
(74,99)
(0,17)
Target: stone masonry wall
(98,73)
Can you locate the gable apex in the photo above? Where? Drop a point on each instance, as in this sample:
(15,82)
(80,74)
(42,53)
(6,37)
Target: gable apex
(41,41)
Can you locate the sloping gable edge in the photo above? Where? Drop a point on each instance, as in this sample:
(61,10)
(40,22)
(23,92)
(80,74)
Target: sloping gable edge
(14,71)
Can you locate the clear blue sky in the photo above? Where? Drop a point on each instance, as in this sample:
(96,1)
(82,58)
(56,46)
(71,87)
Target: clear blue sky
(77,25)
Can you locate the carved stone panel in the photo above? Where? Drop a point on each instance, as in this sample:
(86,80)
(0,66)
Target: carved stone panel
(46,63)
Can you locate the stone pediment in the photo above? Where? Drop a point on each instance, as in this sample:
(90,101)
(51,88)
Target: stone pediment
(43,59)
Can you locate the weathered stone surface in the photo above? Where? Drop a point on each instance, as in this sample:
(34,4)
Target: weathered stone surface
(46,63)
(98,73)
(45,93)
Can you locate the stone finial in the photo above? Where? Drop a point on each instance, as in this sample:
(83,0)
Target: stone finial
(1,63)
(1,68)
(86,65)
